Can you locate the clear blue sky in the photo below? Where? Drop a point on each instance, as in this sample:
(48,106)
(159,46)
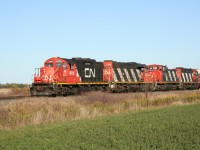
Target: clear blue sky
(164,32)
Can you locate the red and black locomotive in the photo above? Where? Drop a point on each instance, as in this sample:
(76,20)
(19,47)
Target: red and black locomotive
(61,76)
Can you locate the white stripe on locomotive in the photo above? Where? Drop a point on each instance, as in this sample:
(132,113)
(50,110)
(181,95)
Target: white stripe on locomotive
(114,76)
(138,72)
(120,74)
(166,77)
(186,80)
(127,75)
(170,76)
(174,75)
(190,77)
(187,77)
(133,74)
(77,75)
(183,75)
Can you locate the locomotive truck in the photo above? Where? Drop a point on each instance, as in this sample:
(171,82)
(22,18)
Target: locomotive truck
(62,76)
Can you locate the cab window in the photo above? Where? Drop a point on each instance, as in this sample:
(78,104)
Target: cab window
(58,63)
(49,65)
(64,66)
(155,68)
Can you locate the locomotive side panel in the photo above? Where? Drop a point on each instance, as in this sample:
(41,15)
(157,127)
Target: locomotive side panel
(122,71)
(89,70)
(184,75)
(126,72)
(170,75)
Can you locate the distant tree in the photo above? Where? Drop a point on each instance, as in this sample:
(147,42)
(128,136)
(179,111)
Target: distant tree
(13,85)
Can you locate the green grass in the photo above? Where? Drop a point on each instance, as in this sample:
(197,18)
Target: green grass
(176,127)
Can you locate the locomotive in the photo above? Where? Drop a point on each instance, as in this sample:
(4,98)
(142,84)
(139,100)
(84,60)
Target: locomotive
(62,76)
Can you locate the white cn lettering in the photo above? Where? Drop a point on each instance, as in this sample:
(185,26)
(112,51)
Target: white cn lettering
(47,78)
(89,73)
(107,72)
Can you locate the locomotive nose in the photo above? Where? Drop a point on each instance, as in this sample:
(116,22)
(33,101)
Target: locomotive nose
(46,74)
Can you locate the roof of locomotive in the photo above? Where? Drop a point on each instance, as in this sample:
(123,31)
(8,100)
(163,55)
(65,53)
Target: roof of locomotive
(79,59)
(183,68)
(88,60)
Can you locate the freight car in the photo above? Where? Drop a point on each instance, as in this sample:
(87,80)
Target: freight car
(61,76)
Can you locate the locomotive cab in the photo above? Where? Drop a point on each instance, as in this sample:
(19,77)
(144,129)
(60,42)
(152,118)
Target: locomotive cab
(46,73)
(56,70)
(153,73)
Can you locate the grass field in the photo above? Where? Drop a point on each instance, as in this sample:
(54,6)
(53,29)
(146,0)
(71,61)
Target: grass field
(5,91)
(34,111)
(14,91)
(176,127)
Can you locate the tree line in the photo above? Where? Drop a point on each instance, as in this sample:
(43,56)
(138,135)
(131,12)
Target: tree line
(13,85)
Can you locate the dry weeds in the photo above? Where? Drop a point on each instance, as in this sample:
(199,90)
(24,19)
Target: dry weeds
(32,111)
(4,92)
(14,92)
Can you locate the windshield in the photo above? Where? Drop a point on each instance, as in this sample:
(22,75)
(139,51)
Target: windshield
(58,63)
(49,65)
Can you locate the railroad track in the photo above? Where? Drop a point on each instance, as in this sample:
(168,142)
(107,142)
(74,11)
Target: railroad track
(17,97)
(13,97)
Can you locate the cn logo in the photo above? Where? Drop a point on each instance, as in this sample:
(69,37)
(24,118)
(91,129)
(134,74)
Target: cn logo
(89,73)
(106,72)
